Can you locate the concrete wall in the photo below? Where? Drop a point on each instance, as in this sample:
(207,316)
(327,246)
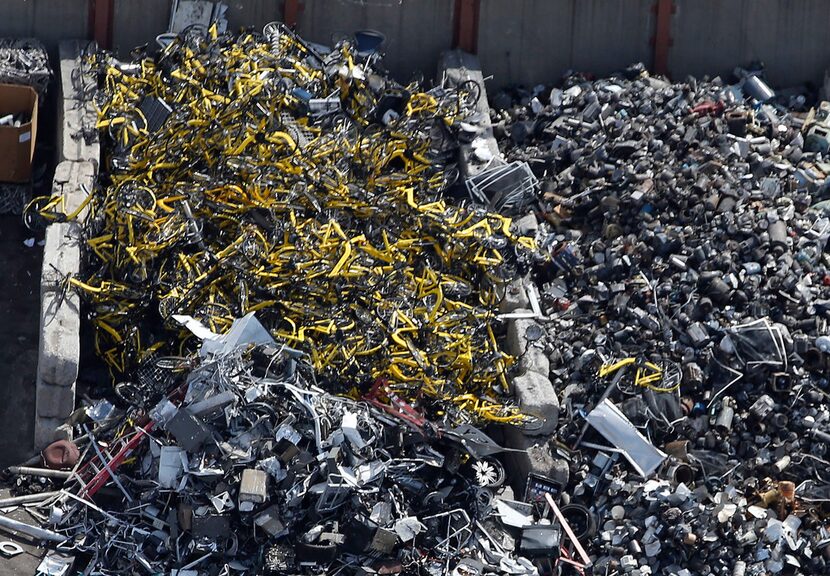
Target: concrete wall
(416,32)
(520,41)
(789,36)
(138,22)
(533,41)
(49,20)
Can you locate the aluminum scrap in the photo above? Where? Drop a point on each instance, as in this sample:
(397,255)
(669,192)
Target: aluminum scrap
(287,479)
(25,61)
(684,316)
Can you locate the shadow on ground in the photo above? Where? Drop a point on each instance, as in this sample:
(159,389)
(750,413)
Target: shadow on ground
(19,311)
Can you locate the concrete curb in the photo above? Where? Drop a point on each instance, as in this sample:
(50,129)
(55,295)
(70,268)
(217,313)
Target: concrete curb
(532,389)
(456,67)
(60,309)
(76,113)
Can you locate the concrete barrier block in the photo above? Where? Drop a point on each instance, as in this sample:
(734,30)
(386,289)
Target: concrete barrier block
(456,67)
(46,431)
(77,136)
(74,180)
(54,401)
(535,395)
(59,351)
(522,333)
(78,139)
(71,69)
(60,348)
(536,455)
(535,360)
(514,297)
(61,254)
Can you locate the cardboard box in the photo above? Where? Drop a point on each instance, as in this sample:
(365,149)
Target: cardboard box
(17,144)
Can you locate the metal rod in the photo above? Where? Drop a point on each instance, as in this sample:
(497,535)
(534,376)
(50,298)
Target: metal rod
(568,530)
(42,472)
(33,531)
(26,499)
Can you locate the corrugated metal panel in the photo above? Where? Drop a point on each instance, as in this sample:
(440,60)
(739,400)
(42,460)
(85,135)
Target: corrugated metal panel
(526,41)
(536,41)
(416,32)
(789,36)
(48,20)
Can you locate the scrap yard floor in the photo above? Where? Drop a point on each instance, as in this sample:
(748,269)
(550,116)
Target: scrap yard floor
(20,268)
(19,311)
(19,322)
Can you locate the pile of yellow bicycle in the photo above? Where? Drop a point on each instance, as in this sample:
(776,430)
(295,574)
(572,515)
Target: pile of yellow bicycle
(251,173)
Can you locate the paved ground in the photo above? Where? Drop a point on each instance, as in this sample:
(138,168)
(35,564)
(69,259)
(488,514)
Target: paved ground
(24,564)
(19,311)
(19,332)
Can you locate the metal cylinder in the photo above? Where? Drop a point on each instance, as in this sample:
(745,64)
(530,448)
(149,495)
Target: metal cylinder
(762,407)
(33,531)
(680,474)
(723,423)
(787,489)
(778,236)
(581,520)
(779,420)
(820,435)
(736,122)
(739,569)
(782,463)
(41,472)
(757,88)
(27,498)
(769,497)
(679,449)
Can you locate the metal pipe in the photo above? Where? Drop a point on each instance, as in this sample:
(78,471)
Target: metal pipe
(33,531)
(26,499)
(42,472)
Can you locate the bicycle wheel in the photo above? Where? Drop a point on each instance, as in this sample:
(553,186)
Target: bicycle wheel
(488,473)
(131,394)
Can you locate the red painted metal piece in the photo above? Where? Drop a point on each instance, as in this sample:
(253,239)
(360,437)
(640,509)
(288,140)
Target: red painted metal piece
(708,108)
(291,13)
(397,407)
(662,35)
(465,35)
(103,476)
(100,22)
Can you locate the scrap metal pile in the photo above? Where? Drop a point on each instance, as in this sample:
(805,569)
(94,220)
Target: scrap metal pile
(22,61)
(280,211)
(677,294)
(685,317)
(249,173)
(25,61)
(248,467)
